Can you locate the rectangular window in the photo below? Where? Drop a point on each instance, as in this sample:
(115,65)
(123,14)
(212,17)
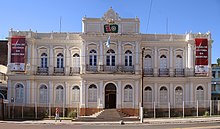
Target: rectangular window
(95,60)
(126,60)
(90,60)
(113,60)
(108,60)
(130,60)
(218,74)
(213,74)
(61,62)
(58,63)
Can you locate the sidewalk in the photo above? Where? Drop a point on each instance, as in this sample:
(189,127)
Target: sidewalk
(146,121)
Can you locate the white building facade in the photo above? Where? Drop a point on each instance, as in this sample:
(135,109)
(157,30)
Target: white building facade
(79,71)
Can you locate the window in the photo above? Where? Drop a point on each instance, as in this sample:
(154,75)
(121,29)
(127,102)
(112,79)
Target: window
(110,58)
(128,96)
(43,94)
(59,94)
(178,95)
(92,93)
(75,94)
(163,62)
(128,58)
(200,93)
(19,93)
(163,95)
(179,62)
(44,60)
(92,58)
(76,60)
(218,74)
(213,74)
(148,94)
(60,60)
(147,61)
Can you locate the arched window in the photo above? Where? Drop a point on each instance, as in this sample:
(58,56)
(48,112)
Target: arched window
(59,94)
(110,58)
(43,60)
(128,58)
(163,61)
(60,62)
(76,94)
(92,58)
(163,95)
(147,61)
(128,93)
(76,60)
(200,93)
(43,94)
(19,93)
(148,94)
(92,93)
(179,62)
(178,95)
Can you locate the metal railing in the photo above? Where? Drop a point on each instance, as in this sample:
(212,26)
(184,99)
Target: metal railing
(148,71)
(58,70)
(179,72)
(42,70)
(163,72)
(74,70)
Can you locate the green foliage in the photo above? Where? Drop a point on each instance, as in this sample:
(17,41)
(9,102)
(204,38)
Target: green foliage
(72,114)
(218,61)
(206,113)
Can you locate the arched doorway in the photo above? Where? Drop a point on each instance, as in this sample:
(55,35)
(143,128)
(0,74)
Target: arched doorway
(110,96)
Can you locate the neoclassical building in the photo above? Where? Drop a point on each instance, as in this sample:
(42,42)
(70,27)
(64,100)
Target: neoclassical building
(101,68)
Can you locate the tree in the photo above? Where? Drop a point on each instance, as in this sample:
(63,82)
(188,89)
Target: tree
(218,61)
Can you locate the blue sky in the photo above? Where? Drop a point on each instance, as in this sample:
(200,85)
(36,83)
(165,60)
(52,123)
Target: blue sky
(183,16)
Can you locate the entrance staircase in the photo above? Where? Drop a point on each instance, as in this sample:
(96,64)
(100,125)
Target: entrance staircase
(107,115)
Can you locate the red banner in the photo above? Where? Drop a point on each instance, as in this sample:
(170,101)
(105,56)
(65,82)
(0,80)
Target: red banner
(18,53)
(201,64)
(201,51)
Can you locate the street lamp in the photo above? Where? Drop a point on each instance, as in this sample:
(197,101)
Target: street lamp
(142,86)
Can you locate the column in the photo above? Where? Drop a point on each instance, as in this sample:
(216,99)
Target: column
(119,95)
(28,90)
(171,94)
(155,92)
(209,91)
(155,62)
(50,96)
(101,53)
(120,53)
(35,59)
(192,92)
(83,58)
(137,54)
(210,58)
(66,93)
(186,92)
(51,92)
(9,93)
(67,60)
(185,61)
(9,51)
(83,94)
(51,60)
(171,62)
(101,92)
(136,93)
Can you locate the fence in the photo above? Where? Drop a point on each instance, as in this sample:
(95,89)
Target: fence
(151,110)
(182,109)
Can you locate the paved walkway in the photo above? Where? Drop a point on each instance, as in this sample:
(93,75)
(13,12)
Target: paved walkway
(146,121)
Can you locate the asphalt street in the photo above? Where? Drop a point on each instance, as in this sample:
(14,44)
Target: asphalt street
(215,125)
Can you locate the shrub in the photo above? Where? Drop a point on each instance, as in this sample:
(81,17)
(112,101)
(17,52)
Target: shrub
(206,113)
(72,114)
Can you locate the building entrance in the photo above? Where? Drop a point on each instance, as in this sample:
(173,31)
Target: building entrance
(110,96)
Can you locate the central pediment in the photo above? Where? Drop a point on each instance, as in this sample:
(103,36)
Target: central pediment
(111,16)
